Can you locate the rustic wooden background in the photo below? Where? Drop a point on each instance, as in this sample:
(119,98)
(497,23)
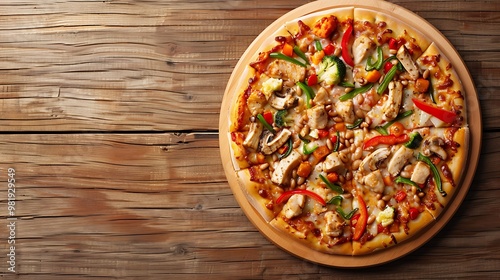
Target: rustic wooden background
(109,115)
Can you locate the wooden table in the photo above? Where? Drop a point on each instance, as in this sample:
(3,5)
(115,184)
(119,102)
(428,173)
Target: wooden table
(109,118)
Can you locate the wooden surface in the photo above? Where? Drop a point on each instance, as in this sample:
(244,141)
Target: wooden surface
(109,116)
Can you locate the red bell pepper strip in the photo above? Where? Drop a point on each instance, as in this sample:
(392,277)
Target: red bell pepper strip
(362,220)
(390,139)
(345,48)
(444,115)
(286,195)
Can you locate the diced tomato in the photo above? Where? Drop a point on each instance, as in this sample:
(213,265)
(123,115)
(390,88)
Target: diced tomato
(400,196)
(414,213)
(332,177)
(329,49)
(393,44)
(387,66)
(322,133)
(268,116)
(396,129)
(380,228)
(312,80)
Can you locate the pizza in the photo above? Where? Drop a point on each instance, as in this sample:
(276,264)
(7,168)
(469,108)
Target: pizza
(349,131)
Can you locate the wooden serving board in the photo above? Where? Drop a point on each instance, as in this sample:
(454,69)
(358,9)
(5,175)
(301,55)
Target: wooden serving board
(285,241)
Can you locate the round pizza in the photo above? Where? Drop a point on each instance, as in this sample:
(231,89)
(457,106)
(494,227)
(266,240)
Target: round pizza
(349,131)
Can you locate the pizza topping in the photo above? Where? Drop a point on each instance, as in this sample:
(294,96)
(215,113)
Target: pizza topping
(387,79)
(371,162)
(308,91)
(281,103)
(434,145)
(317,117)
(415,140)
(375,181)
(420,173)
(294,206)
(253,136)
(271,143)
(345,46)
(361,222)
(265,122)
(283,170)
(401,156)
(360,48)
(286,195)
(331,70)
(377,65)
(345,110)
(333,163)
(334,225)
(256,102)
(391,106)
(330,185)
(287,58)
(271,85)
(353,93)
(325,26)
(443,115)
(407,61)
(435,173)
(385,140)
(386,217)
(284,69)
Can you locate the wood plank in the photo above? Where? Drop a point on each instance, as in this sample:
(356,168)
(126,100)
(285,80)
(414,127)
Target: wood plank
(163,66)
(130,205)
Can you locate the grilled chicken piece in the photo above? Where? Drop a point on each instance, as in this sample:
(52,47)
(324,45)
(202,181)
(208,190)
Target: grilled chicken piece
(406,60)
(294,206)
(317,117)
(401,156)
(375,181)
(345,109)
(253,136)
(360,48)
(334,224)
(281,175)
(420,173)
(322,97)
(333,163)
(286,70)
(256,102)
(393,103)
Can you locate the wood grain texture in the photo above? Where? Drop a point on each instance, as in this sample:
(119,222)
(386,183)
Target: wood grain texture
(152,65)
(128,205)
(109,114)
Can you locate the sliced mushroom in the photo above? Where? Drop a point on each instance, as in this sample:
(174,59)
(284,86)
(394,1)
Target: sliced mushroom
(406,60)
(360,48)
(271,143)
(281,103)
(371,162)
(433,145)
(334,224)
(283,170)
(253,136)
(401,156)
(420,173)
(317,117)
(393,103)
